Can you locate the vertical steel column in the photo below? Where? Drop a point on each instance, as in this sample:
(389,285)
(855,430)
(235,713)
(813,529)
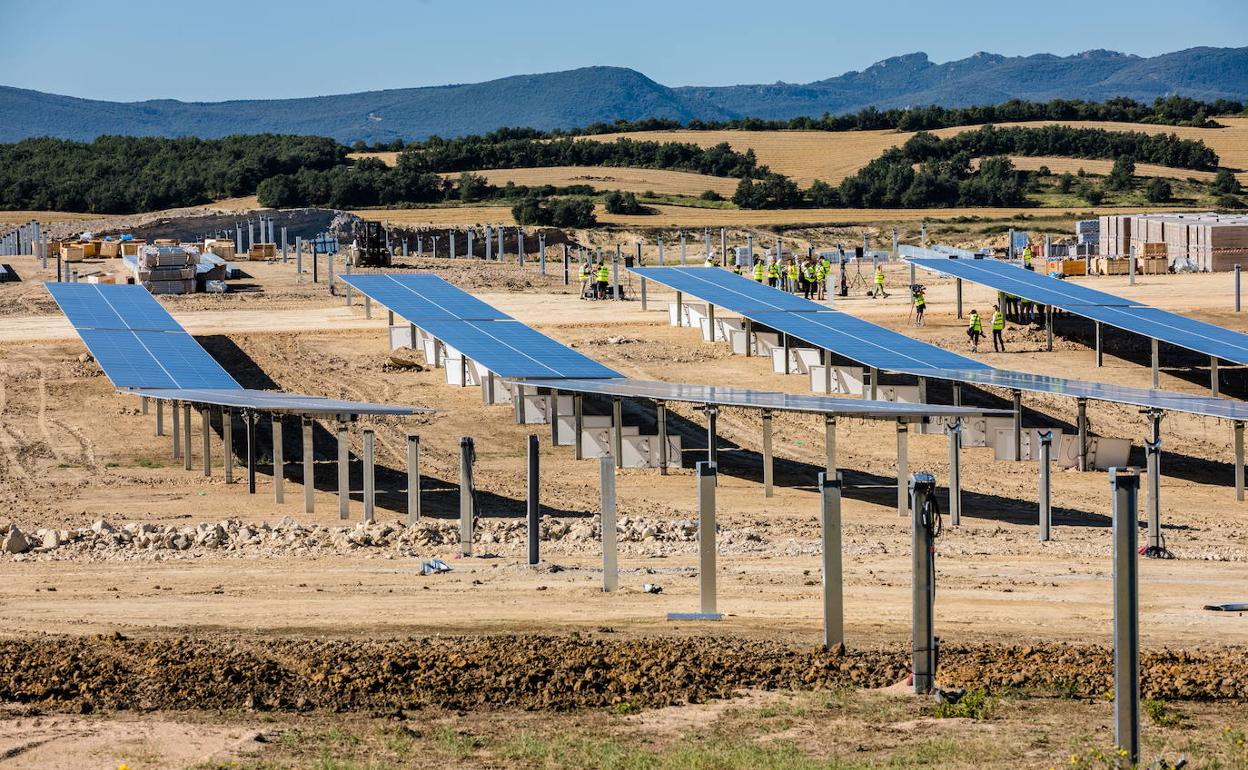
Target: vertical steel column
(875,384)
(684,259)
(413,478)
(958,295)
(1048,326)
(825,358)
(227,444)
(954,430)
(829,445)
(466,496)
(368,305)
(644,306)
(1046,487)
(769,470)
(578,425)
(1213,375)
(1237,303)
(1018,425)
(712,437)
(957,394)
(610,555)
(680,309)
(1124,484)
(923,587)
(1100,352)
(710,320)
(279,462)
(249,421)
(1152,452)
(706,539)
(1239,460)
(186,436)
(205,426)
(370,478)
(1081,424)
(1156,364)
(617,431)
(903,467)
(661,260)
(567,266)
(309,472)
(552,413)
(660,419)
(533,506)
(344,474)
(833,581)
(143,405)
(160,417)
(749,338)
(517,396)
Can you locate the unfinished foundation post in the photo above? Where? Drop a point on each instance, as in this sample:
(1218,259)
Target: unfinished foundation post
(1081,425)
(249,420)
(309,477)
(1124,485)
(954,430)
(413,478)
(1046,489)
(617,431)
(370,479)
(279,462)
(768,463)
(610,555)
(533,504)
(344,473)
(833,581)
(1239,460)
(1018,425)
(903,467)
(186,436)
(467,495)
(205,419)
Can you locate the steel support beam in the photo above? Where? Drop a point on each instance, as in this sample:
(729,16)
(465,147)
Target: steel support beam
(954,430)
(1100,348)
(829,445)
(309,471)
(833,580)
(370,479)
(903,468)
(923,586)
(1239,461)
(706,540)
(160,417)
(186,436)
(533,504)
(249,422)
(1081,425)
(617,431)
(1018,425)
(712,436)
(1152,454)
(413,477)
(1156,364)
(769,470)
(279,462)
(466,496)
(578,420)
(661,419)
(1124,485)
(205,425)
(610,545)
(344,473)
(1046,486)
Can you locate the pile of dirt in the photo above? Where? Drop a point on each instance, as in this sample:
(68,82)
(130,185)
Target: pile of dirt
(538,672)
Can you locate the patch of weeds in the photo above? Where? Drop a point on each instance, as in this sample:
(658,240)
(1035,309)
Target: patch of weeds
(455,743)
(1162,714)
(976,704)
(938,751)
(624,707)
(1099,759)
(1238,740)
(148,462)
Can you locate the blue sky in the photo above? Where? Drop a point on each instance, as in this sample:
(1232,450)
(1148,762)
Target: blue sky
(225,49)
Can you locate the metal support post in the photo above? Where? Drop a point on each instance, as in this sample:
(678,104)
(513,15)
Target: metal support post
(749,337)
(712,437)
(958,295)
(1237,303)
(710,320)
(875,384)
(1239,460)
(413,478)
(186,436)
(1156,364)
(541,254)
(567,266)
(344,474)
(1081,425)
(1213,375)
(706,540)
(957,394)
(578,425)
(279,462)
(833,581)
(309,472)
(1100,351)
(660,418)
(923,582)
(610,545)
(1131,270)
(160,417)
(205,426)
(227,444)
(1124,484)
(467,495)
(1048,326)
(680,309)
(643,295)
(143,405)
(769,471)
(661,261)
(249,422)
(617,431)
(517,395)
(903,467)
(1046,487)
(829,445)
(370,478)
(533,507)
(1152,453)
(954,430)
(1018,425)
(368,305)
(615,275)
(552,412)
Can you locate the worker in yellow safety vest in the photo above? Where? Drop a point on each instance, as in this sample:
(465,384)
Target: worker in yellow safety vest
(975,330)
(879,282)
(792,275)
(709,261)
(604,279)
(760,270)
(1027,257)
(809,279)
(998,326)
(773,274)
(920,304)
(584,274)
(821,277)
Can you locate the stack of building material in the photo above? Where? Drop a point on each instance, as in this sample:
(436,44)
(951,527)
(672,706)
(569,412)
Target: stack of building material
(131,247)
(1202,241)
(110,249)
(1088,232)
(262,251)
(221,247)
(166,269)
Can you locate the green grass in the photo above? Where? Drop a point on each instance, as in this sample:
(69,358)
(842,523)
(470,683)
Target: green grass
(1161,713)
(976,704)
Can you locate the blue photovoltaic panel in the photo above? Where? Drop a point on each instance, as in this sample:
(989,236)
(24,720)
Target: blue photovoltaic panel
(275,401)
(107,306)
(126,363)
(1120,313)
(420,296)
(864,342)
(727,289)
(138,309)
(511,349)
(188,364)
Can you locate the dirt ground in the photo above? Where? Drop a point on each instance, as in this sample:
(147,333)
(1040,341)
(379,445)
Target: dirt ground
(73,452)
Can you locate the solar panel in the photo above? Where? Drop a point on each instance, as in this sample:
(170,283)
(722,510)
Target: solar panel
(756,399)
(727,289)
(419,296)
(125,362)
(1120,313)
(106,306)
(274,401)
(864,342)
(512,349)
(188,364)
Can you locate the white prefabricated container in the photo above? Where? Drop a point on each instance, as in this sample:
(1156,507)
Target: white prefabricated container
(401,336)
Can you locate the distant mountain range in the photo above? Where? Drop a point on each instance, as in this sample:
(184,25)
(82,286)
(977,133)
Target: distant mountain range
(602,94)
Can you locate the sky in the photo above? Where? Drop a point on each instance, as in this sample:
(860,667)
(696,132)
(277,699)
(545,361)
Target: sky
(130,50)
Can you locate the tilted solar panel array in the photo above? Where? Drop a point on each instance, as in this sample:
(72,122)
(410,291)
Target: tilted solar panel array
(481,332)
(1118,312)
(135,340)
(819,325)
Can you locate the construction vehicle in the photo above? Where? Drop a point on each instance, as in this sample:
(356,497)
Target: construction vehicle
(371,239)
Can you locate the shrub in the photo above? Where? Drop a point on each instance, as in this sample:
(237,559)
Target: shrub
(1158,191)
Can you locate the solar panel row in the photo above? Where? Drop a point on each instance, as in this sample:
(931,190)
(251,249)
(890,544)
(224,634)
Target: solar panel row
(728,290)
(1028,284)
(153,359)
(105,306)
(419,297)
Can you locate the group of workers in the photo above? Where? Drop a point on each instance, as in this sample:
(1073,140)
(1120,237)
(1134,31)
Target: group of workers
(595,278)
(809,276)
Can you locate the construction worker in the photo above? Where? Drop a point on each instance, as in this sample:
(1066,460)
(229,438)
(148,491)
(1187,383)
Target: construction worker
(709,261)
(998,326)
(975,330)
(821,278)
(760,270)
(791,272)
(584,275)
(604,279)
(773,274)
(810,279)
(879,282)
(1027,258)
(920,304)
(736,268)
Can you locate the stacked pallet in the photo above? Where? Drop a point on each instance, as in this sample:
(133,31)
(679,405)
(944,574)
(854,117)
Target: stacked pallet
(262,251)
(221,247)
(166,269)
(1202,241)
(1088,231)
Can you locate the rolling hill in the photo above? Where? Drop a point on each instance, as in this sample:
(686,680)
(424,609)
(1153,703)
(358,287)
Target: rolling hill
(580,97)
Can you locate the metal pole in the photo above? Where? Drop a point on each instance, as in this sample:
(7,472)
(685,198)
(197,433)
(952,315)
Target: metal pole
(643,295)
(923,587)
(143,405)
(534,506)
(1018,425)
(610,556)
(958,287)
(567,265)
(1131,270)
(186,436)
(661,419)
(955,471)
(615,275)
(875,383)
(1100,352)
(1237,303)
(160,417)
(1239,461)
(370,479)
(684,260)
(344,474)
(1152,452)
(309,473)
(706,540)
(227,444)
(466,495)
(205,417)
(552,411)
(712,438)
(520,245)
(903,467)
(679,309)
(829,445)
(1046,489)
(578,425)
(541,253)
(617,431)
(413,478)
(661,251)
(1156,365)
(833,581)
(1124,484)
(1213,375)
(1048,325)
(768,463)
(249,422)
(1081,424)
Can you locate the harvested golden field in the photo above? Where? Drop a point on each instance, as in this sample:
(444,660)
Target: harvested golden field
(245,203)
(637,180)
(389,158)
(1103,167)
(685,216)
(44,217)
